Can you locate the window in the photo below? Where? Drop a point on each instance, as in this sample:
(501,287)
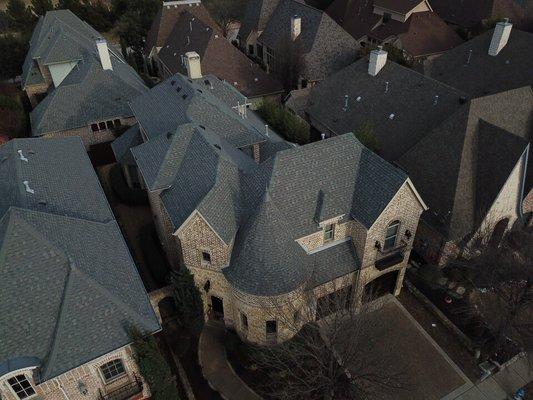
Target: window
(251,49)
(244,321)
(112,370)
(329,232)
(117,123)
(391,234)
(94,127)
(271,327)
(101,125)
(21,386)
(386,17)
(110,125)
(206,257)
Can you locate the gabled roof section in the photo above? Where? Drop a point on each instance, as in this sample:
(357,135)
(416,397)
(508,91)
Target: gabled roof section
(206,102)
(61,248)
(166,19)
(400,6)
(471,68)
(218,57)
(460,168)
(326,47)
(258,13)
(398,102)
(88,94)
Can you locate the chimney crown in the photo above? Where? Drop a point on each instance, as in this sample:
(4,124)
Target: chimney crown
(296,26)
(194,67)
(103,54)
(378,59)
(500,36)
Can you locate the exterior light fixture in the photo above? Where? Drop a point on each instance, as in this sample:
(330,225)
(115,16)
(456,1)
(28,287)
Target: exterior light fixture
(377,245)
(408,234)
(82,388)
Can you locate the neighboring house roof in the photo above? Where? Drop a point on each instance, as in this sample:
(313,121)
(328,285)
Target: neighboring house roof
(166,18)
(399,103)
(468,13)
(218,57)
(400,6)
(462,165)
(61,247)
(88,93)
(424,33)
(325,46)
(121,146)
(258,13)
(294,193)
(207,102)
(298,101)
(471,68)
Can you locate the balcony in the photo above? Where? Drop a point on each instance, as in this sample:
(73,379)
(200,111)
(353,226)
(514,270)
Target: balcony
(388,258)
(124,392)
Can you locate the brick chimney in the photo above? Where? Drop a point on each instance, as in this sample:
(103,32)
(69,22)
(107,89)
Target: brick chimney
(378,59)
(500,37)
(103,53)
(296,26)
(194,67)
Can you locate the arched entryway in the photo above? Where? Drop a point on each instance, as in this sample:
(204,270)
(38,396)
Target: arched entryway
(381,286)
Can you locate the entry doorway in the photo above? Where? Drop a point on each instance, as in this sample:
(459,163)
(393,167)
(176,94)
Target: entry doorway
(381,286)
(217,308)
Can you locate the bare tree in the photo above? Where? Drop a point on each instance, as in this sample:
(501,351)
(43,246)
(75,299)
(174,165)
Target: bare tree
(503,277)
(224,12)
(327,358)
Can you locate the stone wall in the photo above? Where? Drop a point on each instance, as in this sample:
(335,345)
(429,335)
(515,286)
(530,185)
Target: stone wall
(66,386)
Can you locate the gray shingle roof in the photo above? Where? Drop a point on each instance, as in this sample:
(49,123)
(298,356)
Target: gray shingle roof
(461,166)
(478,73)
(398,91)
(297,189)
(88,93)
(178,100)
(121,146)
(326,47)
(258,13)
(55,262)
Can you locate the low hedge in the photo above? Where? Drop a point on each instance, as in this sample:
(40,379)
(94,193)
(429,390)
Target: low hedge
(127,195)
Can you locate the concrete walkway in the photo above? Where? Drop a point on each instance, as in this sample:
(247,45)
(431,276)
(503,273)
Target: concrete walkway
(215,366)
(502,384)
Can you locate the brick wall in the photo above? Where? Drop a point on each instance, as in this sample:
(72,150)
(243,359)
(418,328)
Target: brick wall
(66,386)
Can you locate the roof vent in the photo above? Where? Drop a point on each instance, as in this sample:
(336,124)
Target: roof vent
(172,82)
(184,96)
(103,53)
(359,98)
(462,100)
(218,146)
(500,36)
(27,186)
(178,89)
(296,26)
(391,116)
(377,60)
(169,135)
(42,202)
(436,100)
(469,57)
(345,108)
(22,156)
(387,87)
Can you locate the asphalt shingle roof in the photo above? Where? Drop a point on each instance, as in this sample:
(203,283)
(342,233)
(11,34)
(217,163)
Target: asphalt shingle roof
(406,95)
(256,17)
(218,57)
(461,166)
(178,100)
(88,93)
(326,47)
(470,67)
(57,247)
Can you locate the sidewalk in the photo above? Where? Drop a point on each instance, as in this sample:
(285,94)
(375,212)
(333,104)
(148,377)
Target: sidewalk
(501,385)
(215,366)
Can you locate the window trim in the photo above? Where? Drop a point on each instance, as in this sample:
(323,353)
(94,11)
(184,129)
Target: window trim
(396,223)
(13,390)
(114,379)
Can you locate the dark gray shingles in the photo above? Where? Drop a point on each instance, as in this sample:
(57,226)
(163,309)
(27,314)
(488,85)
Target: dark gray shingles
(121,146)
(398,102)
(66,269)
(258,13)
(477,73)
(326,47)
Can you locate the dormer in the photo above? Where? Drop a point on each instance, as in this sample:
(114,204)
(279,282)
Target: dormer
(399,10)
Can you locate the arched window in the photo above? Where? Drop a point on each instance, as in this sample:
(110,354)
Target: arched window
(391,235)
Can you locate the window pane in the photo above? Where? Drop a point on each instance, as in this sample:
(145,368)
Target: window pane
(390,242)
(117,122)
(112,369)
(392,230)
(94,127)
(109,124)
(21,386)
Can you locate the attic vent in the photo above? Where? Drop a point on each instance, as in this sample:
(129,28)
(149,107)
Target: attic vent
(22,156)
(178,89)
(184,96)
(28,189)
(218,146)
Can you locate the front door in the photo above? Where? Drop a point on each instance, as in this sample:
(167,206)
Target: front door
(218,308)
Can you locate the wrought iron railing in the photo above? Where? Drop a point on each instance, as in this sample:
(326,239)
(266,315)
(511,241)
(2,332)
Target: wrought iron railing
(123,392)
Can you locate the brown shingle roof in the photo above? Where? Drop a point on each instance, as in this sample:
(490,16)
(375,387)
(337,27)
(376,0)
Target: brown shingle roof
(400,6)
(218,57)
(165,20)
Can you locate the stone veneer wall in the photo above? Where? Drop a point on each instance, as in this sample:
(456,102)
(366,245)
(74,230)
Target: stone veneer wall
(65,386)
(88,137)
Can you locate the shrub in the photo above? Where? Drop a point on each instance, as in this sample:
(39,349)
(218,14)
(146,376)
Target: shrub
(153,367)
(284,122)
(127,195)
(189,305)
